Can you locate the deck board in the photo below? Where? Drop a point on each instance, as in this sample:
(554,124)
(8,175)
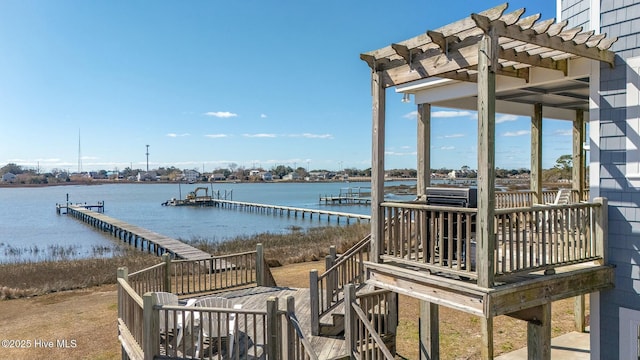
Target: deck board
(255,298)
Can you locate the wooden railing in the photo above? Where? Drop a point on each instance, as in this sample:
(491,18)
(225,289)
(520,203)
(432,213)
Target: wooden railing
(295,342)
(517,199)
(370,323)
(547,236)
(187,332)
(186,277)
(213,274)
(435,237)
(130,318)
(154,278)
(208,333)
(442,239)
(327,289)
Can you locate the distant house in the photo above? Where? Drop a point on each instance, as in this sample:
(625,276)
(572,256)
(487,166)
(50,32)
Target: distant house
(9,177)
(266,176)
(217,177)
(293,176)
(146,176)
(191,175)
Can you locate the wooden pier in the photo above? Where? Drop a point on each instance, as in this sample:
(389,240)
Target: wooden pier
(348,196)
(288,210)
(135,236)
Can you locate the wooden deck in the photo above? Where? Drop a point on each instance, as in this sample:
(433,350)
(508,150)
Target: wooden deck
(255,298)
(136,236)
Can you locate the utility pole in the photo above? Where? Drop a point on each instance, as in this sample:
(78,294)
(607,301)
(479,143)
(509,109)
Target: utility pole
(147,158)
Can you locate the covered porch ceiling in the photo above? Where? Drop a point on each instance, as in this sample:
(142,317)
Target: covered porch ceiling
(538,62)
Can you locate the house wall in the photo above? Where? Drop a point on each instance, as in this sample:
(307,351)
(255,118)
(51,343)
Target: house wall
(615,130)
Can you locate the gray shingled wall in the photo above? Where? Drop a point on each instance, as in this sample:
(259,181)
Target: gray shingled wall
(619,18)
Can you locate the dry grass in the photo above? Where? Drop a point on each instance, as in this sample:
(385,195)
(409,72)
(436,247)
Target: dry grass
(37,278)
(295,247)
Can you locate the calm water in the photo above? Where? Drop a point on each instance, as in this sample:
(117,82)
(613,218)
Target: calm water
(31,230)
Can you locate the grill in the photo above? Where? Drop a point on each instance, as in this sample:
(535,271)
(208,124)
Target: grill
(454,197)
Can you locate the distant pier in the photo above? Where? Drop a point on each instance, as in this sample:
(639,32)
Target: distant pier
(348,196)
(289,211)
(135,236)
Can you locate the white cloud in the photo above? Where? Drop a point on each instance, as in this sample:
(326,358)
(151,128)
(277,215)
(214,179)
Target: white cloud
(561,132)
(221,114)
(453,136)
(452,114)
(316,136)
(263,116)
(504,118)
(396,153)
(174,135)
(516,133)
(260,135)
(411,115)
(447,147)
(216,136)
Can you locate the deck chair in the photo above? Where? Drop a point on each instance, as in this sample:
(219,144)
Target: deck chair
(168,325)
(216,325)
(562,198)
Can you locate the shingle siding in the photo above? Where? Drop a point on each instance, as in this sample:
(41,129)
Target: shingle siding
(618,18)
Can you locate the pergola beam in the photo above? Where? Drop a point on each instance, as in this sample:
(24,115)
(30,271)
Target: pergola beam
(562,42)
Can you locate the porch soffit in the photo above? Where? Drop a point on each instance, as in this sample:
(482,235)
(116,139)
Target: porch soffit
(528,47)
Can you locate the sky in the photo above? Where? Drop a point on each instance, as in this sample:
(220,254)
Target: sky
(207,84)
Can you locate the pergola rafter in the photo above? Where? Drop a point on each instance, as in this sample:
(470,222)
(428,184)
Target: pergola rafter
(452,51)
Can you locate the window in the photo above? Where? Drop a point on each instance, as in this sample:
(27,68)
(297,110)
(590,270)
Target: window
(629,333)
(633,121)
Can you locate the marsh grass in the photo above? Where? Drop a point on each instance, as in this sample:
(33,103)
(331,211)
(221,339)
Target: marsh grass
(26,279)
(294,247)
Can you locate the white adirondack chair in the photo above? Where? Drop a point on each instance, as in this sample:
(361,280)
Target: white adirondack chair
(218,325)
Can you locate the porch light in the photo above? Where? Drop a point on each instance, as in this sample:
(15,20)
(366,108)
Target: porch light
(405,98)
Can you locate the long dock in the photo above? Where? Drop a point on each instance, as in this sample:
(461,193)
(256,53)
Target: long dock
(134,235)
(288,210)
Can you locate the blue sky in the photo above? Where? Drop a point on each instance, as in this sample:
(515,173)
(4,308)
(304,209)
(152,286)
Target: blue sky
(209,83)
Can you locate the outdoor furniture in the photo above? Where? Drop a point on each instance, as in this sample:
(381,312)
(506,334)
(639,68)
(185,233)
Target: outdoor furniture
(215,324)
(167,324)
(562,198)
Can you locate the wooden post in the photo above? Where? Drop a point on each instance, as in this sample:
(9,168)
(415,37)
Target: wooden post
(260,265)
(487,63)
(578,184)
(150,327)
(377,165)
(122,273)
(350,337)
(539,334)
(536,154)
(273,333)
(314,306)
(486,352)
(578,170)
(429,331)
(166,258)
(424,149)
(602,223)
(578,313)
(328,262)
(291,310)
(393,318)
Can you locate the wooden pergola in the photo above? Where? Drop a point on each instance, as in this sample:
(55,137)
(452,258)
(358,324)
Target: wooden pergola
(491,62)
